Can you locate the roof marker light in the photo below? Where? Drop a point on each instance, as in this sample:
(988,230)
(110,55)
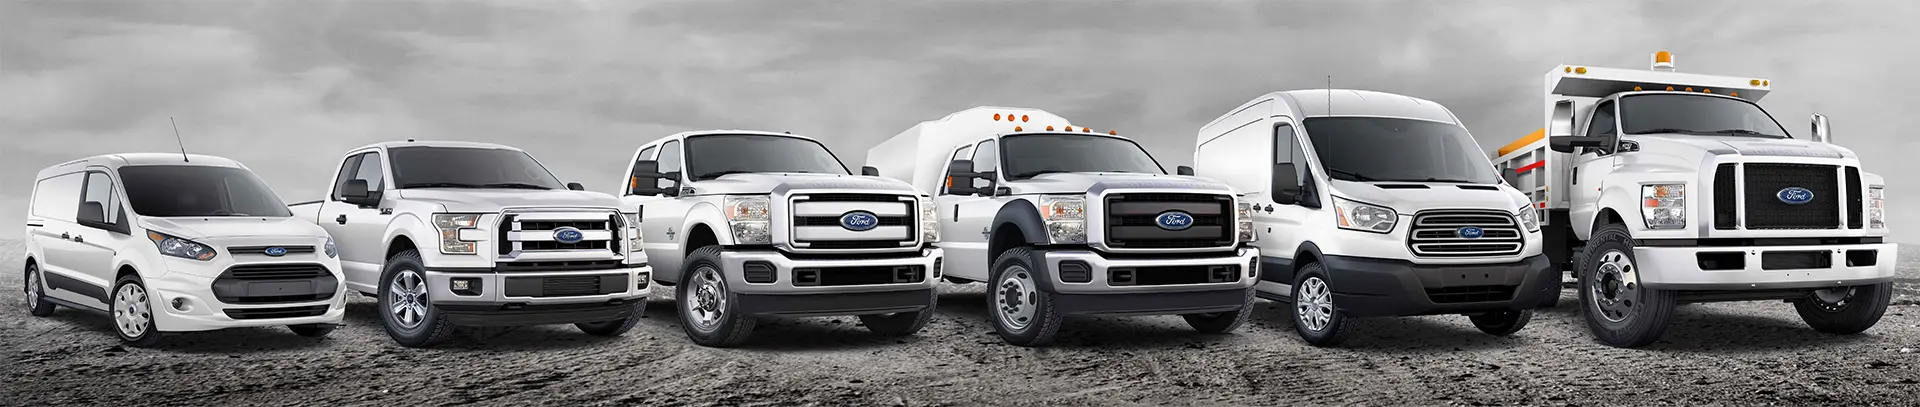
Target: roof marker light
(1689,88)
(1049,128)
(1069,128)
(1764,83)
(1636,88)
(1567,69)
(1113,132)
(1086,130)
(1734,94)
(1707,90)
(1663,61)
(996,117)
(1016,128)
(1669,88)
(1755,82)
(1580,70)
(1022,118)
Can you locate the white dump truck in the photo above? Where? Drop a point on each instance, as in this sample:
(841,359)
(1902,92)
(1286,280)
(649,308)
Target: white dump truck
(751,224)
(1658,187)
(1060,220)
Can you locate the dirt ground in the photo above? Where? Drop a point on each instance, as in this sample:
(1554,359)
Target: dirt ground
(1751,353)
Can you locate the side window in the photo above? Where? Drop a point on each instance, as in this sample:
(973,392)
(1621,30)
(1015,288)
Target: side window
(1602,124)
(985,158)
(1286,149)
(347,169)
(647,153)
(670,157)
(97,203)
(54,197)
(370,171)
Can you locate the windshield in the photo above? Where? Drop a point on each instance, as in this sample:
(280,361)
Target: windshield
(710,157)
(1371,149)
(462,167)
(1025,156)
(194,191)
(1697,115)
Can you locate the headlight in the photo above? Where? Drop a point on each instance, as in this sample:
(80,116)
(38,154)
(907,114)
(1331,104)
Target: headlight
(450,225)
(929,220)
(1243,214)
(1664,206)
(1066,217)
(633,231)
(1877,207)
(1363,217)
(748,216)
(182,248)
(1529,218)
(331,250)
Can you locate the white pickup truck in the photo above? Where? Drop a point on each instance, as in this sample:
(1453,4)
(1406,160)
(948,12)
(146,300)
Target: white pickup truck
(749,224)
(452,234)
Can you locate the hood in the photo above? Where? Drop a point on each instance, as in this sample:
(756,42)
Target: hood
(224,227)
(764,183)
(1411,197)
(493,200)
(1094,182)
(1749,146)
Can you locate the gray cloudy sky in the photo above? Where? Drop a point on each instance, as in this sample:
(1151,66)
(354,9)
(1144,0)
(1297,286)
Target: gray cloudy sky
(286,86)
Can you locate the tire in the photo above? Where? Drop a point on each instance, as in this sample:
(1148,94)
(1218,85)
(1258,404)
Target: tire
(704,290)
(903,323)
(37,303)
(1502,323)
(1022,313)
(1845,312)
(616,327)
(1222,322)
(1315,317)
(133,313)
(312,330)
(405,306)
(1619,311)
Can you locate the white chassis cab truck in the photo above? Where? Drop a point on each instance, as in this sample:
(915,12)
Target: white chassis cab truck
(751,224)
(1371,204)
(176,243)
(1060,221)
(450,234)
(1660,187)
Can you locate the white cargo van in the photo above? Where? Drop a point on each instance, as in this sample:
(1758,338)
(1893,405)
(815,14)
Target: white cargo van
(1371,204)
(176,243)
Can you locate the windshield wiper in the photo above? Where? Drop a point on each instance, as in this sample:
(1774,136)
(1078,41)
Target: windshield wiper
(1031,174)
(514,185)
(1351,175)
(1667,130)
(1744,132)
(439,185)
(718,174)
(1457,181)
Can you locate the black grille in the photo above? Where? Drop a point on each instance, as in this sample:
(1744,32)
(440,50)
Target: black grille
(270,313)
(274,283)
(255,272)
(506,246)
(1130,221)
(524,266)
(1726,212)
(1856,202)
(1474,293)
(859,275)
(262,250)
(835,220)
(1440,234)
(564,286)
(1172,275)
(1766,211)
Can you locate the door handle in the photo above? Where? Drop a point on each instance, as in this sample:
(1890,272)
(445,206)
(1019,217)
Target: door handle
(79,239)
(342,219)
(956,212)
(34,224)
(65,236)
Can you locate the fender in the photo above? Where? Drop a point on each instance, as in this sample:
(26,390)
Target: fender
(1021,215)
(666,267)
(409,225)
(1284,271)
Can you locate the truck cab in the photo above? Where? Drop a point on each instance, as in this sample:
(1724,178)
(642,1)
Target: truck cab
(1371,204)
(750,224)
(1661,187)
(1059,220)
(448,234)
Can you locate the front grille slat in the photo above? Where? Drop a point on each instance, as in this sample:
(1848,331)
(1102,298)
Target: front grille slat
(1765,210)
(1856,200)
(271,313)
(1725,209)
(274,283)
(1439,234)
(819,223)
(586,222)
(262,250)
(1130,221)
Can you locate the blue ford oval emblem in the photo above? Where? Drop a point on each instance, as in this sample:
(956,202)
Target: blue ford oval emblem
(276,251)
(1173,220)
(859,221)
(1470,232)
(568,235)
(1795,195)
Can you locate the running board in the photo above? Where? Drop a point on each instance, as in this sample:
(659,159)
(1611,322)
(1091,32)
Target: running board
(74,305)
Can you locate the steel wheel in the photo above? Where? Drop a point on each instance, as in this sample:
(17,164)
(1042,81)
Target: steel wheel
(1315,305)
(1013,298)
(1616,287)
(130,311)
(1832,299)
(708,302)
(407,299)
(33,287)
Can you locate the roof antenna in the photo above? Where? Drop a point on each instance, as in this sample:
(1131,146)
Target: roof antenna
(176,139)
(1329,95)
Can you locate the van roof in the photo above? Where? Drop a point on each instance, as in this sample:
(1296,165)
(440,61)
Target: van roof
(435,143)
(115,161)
(1351,102)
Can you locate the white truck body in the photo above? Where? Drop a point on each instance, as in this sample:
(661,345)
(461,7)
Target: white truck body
(173,243)
(1446,236)
(785,229)
(1709,198)
(1082,261)
(474,234)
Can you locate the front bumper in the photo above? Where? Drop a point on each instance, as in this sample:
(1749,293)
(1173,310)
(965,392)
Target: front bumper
(1683,268)
(784,297)
(204,311)
(517,298)
(1102,294)
(1373,287)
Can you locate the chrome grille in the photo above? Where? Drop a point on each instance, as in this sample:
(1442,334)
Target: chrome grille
(533,233)
(1438,234)
(815,221)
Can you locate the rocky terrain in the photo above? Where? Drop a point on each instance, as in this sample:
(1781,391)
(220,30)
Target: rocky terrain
(1750,353)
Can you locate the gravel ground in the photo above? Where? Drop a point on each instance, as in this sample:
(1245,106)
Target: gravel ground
(1748,353)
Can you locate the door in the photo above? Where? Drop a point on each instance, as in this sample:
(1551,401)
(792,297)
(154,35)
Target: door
(51,226)
(663,218)
(1591,166)
(102,230)
(1283,228)
(359,231)
(972,217)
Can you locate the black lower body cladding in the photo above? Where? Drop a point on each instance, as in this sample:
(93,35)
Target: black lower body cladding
(1372,287)
(827,304)
(1190,302)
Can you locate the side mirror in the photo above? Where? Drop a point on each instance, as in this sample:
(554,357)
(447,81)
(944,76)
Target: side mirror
(645,179)
(1560,136)
(575,186)
(92,212)
(1183,170)
(1286,184)
(869,171)
(960,178)
(1567,144)
(356,193)
(1821,131)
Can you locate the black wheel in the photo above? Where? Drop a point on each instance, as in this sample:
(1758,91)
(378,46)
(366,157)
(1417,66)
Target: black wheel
(1845,310)
(37,303)
(406,306)
(1315,317)
(312,330)
(902,323)
(616,327)
(1501,323)
(133,313)
(1620,312)
(708,310)
(1022,313)
(1222,322)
